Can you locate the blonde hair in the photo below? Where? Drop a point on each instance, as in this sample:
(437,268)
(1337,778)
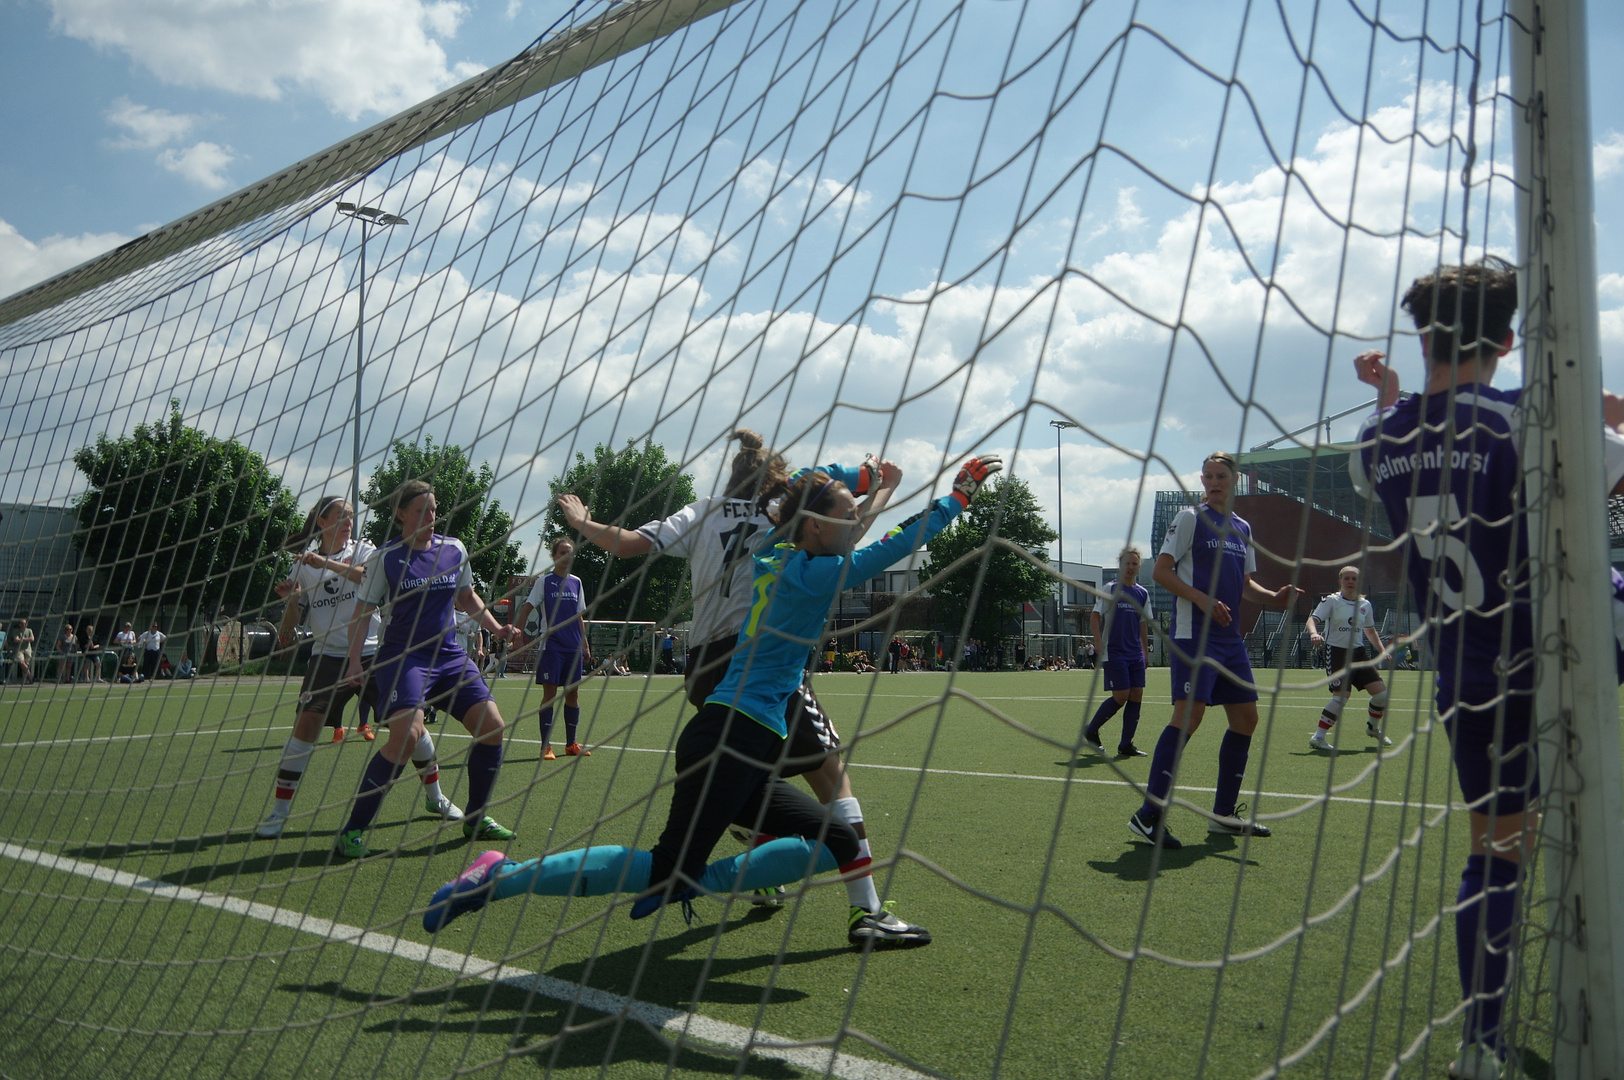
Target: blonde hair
(1224,458)
(1345,569)
(1131,549)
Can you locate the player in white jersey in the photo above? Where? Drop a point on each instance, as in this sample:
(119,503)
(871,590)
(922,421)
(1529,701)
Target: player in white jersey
(1346,616)
(320,591)
(719,535)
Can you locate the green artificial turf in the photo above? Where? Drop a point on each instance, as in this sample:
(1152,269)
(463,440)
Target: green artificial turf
(1013,851)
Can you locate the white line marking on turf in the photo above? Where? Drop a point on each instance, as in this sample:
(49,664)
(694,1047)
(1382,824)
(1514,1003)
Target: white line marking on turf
(443,735)
(679,1026)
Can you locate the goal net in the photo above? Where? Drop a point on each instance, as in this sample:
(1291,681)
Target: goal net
(1101,240)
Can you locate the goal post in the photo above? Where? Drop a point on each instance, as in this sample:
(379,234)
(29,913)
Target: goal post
(1582,761)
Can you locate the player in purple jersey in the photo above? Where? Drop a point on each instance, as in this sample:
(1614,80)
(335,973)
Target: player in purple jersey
(419,579)
(1444,464)
(1120,621)
(557,600)
(1207,562)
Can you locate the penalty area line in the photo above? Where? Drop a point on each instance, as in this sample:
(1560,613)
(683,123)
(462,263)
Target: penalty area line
(681,1027)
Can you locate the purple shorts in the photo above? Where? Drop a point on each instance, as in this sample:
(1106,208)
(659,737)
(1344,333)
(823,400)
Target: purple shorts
(1202,682)
(559,667)
(1124,674)
(1498,770)
(449,681)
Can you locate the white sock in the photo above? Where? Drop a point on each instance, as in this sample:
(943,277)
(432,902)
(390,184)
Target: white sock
(295,756)
(1331,712)
(860,891)
(428,770)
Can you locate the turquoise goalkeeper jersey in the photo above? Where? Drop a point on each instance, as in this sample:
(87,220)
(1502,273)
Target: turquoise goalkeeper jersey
(792,593)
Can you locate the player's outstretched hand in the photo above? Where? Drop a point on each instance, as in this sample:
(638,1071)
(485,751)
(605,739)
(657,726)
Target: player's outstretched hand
(890,474)
(1372,371)
(503,633)
(286,588)
(973,474)
(574,511)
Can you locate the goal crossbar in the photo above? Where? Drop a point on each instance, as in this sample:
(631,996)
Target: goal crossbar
(321,176)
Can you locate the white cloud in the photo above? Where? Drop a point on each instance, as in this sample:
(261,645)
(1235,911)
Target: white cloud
(24,262)
(148,128)
(201,163)
(1607,156)
(357,56)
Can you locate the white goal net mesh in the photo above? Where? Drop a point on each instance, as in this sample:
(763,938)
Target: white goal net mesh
(918,229)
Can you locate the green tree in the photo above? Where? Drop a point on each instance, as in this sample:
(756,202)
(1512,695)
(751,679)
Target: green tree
(465,509)
(1007,509)
(626,488)
(177,516)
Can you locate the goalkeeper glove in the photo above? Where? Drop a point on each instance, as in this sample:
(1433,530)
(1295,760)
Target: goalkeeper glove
(973,475)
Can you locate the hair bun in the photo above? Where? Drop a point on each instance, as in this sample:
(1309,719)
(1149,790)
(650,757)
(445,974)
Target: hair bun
(747,439)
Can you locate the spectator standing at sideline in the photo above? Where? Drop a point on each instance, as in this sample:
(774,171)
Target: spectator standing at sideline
(67,647)
(152,647)
(89,652)
(22,650)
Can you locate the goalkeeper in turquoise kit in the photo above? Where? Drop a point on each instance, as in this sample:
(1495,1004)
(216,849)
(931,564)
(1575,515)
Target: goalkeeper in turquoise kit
(728,757)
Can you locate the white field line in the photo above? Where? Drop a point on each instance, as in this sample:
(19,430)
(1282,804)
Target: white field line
(680,1027)
(442,735)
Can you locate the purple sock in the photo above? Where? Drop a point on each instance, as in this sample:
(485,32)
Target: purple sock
(1162,764)
(1107,709)
(1232,755)
(546,725)
(572,721)
(484,762)
(1483,940)
(380,773)
(1130,722)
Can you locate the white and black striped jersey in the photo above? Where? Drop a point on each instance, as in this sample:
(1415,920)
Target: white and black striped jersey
(1343,621)
(717,536)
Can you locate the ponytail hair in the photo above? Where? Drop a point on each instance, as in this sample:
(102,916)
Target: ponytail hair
(411,489)
(810,493)
(299,540)
(757,472)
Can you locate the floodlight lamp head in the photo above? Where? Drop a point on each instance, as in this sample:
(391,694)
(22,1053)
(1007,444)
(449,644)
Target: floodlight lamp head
(370,215)
(1061,425)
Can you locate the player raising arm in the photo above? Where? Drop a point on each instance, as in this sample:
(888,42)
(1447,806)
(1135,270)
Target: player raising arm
(417,579)
(730,755)
(1445,465)
(718,536)
(1346,615)
(1124,607)
(1207,563)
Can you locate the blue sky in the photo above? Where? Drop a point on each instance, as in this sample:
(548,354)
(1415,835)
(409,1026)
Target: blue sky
(969,229)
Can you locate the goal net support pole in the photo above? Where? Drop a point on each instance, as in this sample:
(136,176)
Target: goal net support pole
(1582,842)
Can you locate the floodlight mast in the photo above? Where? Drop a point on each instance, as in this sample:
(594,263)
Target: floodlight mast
(1060,518)
(368,216)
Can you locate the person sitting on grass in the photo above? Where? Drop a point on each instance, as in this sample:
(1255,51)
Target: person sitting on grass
(166,670)
(186,669)
(127,673)
(730,756)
